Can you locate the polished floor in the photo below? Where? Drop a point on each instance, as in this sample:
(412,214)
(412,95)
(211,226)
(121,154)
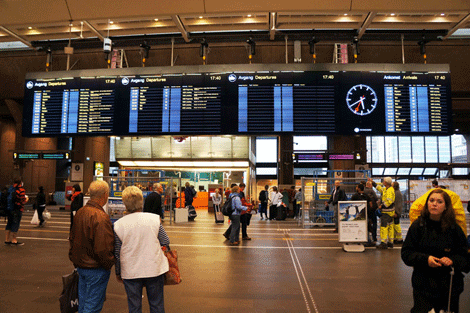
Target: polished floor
(282,269)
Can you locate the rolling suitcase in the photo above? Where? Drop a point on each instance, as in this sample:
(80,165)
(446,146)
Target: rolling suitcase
(219,217)
(191,213)
(281,213)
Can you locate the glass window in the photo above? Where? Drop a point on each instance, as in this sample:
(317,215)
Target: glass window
(404,147)
(459,149)
(417,144)
(266,171)
(306,143)
(444,149)
(431,149)
(430,171)
(378,149)
(390,171)
(310,171)
(391,149)
(266,150)
(443,174)
(377,171)
(403,171)
(417,171)
(460,171)
(369,149)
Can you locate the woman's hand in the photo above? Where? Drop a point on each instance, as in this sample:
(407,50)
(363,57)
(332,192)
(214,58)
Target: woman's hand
(433,261)
(446,261)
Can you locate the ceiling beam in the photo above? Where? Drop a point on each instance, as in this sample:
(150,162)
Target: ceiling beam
(180,27)
(94,30)
(13,34)
(366,24)
(456,27)
(272,25)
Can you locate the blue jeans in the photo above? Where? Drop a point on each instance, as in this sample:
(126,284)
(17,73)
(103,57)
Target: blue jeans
(154,286)
(92,285)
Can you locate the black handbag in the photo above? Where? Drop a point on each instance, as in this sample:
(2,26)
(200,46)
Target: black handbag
(69,297)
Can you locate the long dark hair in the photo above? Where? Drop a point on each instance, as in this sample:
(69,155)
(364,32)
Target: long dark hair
(448,216)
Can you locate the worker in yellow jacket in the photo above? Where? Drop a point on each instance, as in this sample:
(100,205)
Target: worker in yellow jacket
(387,209)
(418,205)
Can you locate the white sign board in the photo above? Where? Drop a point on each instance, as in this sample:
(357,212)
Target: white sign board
(352,217)
(76,172)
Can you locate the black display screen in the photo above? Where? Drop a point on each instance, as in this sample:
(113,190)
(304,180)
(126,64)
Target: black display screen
(244,103)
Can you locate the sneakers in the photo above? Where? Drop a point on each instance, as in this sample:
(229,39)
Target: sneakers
(390,245)
(17,243)
(382,246)
(7,243)
(398,241)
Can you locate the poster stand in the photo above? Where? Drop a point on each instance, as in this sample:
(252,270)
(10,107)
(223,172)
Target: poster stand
(353,247)
(352,218)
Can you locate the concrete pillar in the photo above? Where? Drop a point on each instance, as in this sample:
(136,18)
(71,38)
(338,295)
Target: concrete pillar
(88,150)
(39,172)
(7,143)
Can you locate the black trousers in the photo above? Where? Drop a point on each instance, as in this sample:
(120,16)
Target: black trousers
(40,210)
(424,303)
(245,221)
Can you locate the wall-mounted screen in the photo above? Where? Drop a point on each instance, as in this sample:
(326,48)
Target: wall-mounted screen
(305,102)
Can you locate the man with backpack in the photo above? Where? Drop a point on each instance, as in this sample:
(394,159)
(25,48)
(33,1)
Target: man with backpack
(16,200)
(263,200)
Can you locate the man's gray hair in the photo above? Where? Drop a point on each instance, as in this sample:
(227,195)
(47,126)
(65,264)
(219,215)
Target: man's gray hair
(388,180)
(133,199)
(98,188)
(156,186)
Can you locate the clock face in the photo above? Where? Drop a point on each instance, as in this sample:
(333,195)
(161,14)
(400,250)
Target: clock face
(361,99)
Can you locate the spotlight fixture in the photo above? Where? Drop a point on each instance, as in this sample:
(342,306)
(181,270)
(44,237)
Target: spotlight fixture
(144,52)
(48,58)
(356,48)
(422,47)
(203,50)
(311,44)
(252,45)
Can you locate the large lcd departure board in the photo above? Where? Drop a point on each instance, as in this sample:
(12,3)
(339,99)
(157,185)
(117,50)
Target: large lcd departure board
(262,102)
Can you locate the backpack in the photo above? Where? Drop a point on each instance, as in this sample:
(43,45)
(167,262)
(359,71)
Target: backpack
(11,198)
(227,209)
(262,196)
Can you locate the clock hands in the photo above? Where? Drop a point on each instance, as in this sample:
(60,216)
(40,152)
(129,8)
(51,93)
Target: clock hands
(361,103)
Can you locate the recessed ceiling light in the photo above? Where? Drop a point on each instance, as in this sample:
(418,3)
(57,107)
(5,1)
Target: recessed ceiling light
(156,20)
(443,14)
(249,15)
(29,27)
(111,22)
(345,14)
(392,14)
(201,16)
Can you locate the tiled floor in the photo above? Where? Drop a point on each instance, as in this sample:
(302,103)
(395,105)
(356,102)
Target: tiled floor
(283,269)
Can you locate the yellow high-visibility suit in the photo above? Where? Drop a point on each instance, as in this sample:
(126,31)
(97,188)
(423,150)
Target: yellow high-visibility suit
(418,205)
(388,213)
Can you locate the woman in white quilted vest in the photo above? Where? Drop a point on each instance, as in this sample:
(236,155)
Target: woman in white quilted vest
(140,261)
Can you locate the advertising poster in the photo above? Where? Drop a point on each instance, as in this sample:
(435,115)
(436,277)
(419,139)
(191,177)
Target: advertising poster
(352,221)
(99,169)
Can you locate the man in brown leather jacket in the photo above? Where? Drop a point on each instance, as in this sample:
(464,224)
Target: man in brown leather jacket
(92,248)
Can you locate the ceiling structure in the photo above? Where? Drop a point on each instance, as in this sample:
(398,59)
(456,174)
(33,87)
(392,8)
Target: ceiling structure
(36,24)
